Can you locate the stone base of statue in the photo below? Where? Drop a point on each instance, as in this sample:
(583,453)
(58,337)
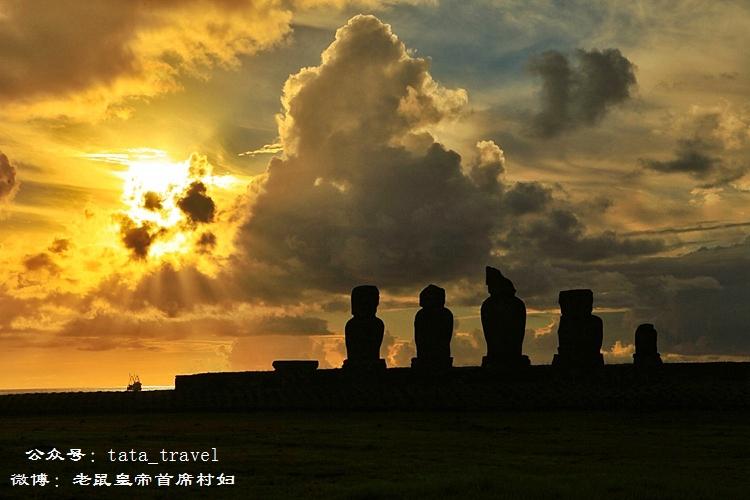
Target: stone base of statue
(647,360)
(578,361)
(431,365)
(505,363)
(368,366)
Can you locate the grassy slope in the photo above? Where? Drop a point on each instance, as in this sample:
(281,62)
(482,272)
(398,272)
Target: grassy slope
(393,455)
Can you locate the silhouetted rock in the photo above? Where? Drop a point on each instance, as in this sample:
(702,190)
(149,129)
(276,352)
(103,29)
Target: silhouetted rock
(433,329)
(580,333)
(503,322)
(364,331)
(646,353)
(295,367)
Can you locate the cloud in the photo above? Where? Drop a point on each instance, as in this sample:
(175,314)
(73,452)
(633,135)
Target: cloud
(59,246)
(196,205)
(41,261)
(127,50)
(257,353)
(697,301)
(559,233)
(527,197)
(364,192)
(264,150)
(152,201)
(206,242)
(712,148)
(138,238)
(579,93)
(8,182)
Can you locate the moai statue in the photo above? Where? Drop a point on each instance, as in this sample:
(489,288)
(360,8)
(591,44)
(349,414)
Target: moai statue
(503,322)
(646,353)
(364,331)
(580,333)
(433,329)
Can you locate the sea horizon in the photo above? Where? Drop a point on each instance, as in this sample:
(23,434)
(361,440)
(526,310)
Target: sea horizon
(82,389)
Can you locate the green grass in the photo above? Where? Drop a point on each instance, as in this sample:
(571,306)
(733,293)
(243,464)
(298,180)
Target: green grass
(510,455)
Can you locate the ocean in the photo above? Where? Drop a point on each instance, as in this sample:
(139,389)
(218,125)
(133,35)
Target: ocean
(83,389)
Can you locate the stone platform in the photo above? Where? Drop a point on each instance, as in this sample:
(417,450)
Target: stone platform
(613,387)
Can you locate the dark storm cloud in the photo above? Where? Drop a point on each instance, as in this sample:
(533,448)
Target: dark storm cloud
(526,197)
(8,181)
(196,204)
(579,92)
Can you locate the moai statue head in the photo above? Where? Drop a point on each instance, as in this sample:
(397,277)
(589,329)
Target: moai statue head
(432,297)
(497,284)
(576,303)
(645,339)
(365,299)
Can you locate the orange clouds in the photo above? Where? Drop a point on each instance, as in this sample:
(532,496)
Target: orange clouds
(8,181)
(86,60)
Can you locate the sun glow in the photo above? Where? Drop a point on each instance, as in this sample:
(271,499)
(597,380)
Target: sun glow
(169,202)
(151,189)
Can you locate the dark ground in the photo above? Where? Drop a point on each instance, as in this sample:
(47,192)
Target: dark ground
(544,454)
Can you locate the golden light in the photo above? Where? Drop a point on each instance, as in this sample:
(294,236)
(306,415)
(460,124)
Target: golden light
(165,181)
(153,185)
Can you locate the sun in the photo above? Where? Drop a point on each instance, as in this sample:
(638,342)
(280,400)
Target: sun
(151,188)
(162,196)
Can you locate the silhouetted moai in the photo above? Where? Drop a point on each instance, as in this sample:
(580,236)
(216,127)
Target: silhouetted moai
(433,329)
(580,333)
(364,331)
(503,322)
(646,353)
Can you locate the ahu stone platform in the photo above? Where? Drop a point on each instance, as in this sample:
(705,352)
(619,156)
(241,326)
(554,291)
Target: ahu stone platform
(713,386)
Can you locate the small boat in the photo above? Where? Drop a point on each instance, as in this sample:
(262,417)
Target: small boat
(134,384)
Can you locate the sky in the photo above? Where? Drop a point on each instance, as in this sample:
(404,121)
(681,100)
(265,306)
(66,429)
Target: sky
(196,186)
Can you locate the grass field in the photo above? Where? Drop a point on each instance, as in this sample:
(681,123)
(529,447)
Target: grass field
(401,455)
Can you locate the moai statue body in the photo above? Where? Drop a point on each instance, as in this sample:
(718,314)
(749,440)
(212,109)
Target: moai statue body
(433,329)
(646,353)
(580,333)
(504,323)
(364,331)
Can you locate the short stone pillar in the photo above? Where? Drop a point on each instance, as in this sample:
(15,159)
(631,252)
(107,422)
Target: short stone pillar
(580,333)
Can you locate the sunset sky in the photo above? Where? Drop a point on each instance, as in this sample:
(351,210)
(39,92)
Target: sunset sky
(190,186)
